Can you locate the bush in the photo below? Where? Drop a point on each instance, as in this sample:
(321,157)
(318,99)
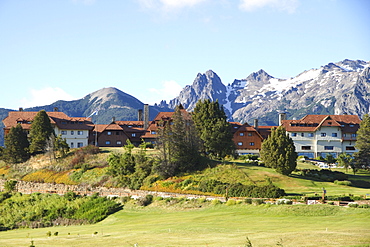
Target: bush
(258,201)
(231,203)
(10,185)
(325,175)
(241,190)
(248,201)
(145,201)
(347,183)
(353,205)
(216,202)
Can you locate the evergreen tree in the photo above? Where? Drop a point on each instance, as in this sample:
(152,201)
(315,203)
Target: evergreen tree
(278,151)
(16,145)
(179,145)
(41,130)
(213,129)
(345,160)
(61,146)
(362,157)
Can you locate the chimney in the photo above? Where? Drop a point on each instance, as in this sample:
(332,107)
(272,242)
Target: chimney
(282,116)
(140,115)
(255,123)
(56,109)
(113,119)
(146,116)
(20,108)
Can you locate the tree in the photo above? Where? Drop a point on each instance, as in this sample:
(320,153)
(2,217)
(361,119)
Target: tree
(179,145)
(121,165)
(330,159)
(16,145)
(362,157)
(278,151)
(41,130)
(345,160)
(61,146)
(215,132)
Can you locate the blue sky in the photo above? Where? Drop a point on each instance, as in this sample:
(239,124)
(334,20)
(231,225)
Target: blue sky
(151,49)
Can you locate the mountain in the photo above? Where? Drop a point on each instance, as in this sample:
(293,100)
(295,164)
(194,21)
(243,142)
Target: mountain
(109,102)
(336,88)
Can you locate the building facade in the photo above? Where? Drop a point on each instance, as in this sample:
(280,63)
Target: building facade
(76,130)
(320,135)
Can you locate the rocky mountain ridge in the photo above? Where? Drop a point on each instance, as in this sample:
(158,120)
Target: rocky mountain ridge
(335,88)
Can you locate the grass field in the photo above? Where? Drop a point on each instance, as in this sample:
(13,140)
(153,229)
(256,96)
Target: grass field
(210,225)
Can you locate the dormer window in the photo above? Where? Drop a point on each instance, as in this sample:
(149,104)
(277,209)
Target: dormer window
(351,125)
(329,123)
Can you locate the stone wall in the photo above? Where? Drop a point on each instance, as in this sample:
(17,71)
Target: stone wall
(31,187)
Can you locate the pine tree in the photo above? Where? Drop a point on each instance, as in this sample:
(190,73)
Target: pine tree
(362,157)
(16,145)
(179,145)
(213,129)
(41,130)
(278,151)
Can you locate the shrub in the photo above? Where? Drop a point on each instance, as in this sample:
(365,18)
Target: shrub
(347,183)
(248,201)
(145,201)
(230,202)
(353,205)
(10,185)
(258,201)
(216,202)
(364,206)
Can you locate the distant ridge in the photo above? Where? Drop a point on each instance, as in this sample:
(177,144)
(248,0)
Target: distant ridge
(334,88)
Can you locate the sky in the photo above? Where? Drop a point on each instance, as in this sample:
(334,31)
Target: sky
(65,49)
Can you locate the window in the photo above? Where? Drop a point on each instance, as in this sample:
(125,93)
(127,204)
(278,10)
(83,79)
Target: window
(350,148)
(351,125)
(353,135)
(251,144)
(294,134)
(344,135)
(323,134)
(240,144)
(153,132)
(72,132)
(302,134)
(133,134)
(310,134)
(64,132)
(109,133)
(119,143)
(241,134)
(329,147)
(107,142)
(80,132)
(117,133)
(334,134)
(80,144)
(250,134)
(306,147)
(72,145)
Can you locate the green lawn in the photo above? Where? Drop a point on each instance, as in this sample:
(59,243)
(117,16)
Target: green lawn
(296,184)
(219,225)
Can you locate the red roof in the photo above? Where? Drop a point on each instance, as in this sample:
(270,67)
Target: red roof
(60,119)
(310,123)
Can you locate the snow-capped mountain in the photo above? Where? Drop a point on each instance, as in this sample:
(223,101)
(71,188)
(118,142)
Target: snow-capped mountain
(336,88)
